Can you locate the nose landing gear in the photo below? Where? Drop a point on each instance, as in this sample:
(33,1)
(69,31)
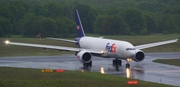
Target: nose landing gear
(127,64)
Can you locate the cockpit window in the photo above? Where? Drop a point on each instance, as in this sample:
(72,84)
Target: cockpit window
(130,48)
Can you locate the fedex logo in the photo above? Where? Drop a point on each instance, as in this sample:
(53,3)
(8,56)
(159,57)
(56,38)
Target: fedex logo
(111,48)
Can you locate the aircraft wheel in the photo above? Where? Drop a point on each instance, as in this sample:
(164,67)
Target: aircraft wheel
(90,64)
(114,63)
(120,62)
(117,67)
(127,65)
(87,65)
(117,62)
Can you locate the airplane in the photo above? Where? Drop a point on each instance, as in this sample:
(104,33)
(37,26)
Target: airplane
(99,46)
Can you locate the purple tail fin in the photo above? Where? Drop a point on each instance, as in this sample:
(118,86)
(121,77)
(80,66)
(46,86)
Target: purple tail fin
(80,30)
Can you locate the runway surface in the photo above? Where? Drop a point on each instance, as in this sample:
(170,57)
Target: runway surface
(145,70)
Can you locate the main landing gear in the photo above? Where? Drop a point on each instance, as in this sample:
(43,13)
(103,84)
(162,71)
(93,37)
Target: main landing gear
(117,63)
(87,65)
(127,64)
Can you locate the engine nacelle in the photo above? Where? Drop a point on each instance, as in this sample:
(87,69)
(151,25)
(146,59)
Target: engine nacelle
(139,56)
(84,56)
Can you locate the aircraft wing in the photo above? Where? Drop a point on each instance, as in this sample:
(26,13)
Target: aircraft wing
(72,41)
(53,47)
(144,46)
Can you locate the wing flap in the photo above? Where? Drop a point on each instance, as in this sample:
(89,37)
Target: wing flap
(144,46)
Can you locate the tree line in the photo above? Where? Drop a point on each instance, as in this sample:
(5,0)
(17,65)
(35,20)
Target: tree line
(55,18)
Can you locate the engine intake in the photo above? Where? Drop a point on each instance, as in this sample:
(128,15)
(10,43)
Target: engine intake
(139,56)
(84,56)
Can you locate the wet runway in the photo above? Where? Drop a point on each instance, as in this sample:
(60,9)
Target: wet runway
(145,70)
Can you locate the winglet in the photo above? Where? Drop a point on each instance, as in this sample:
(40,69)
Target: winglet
(80,30)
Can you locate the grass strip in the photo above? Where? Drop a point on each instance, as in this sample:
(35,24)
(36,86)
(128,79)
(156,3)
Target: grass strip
(26,77)
(175,62)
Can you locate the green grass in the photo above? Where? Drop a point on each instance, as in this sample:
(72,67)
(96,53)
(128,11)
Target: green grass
(11,50)
(19,77)
(175,62)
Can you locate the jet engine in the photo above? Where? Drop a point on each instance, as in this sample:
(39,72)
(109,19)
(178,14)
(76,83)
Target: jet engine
(84,56)
(139,56)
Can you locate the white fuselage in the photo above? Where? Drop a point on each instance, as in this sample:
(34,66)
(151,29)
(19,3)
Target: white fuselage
(112,48)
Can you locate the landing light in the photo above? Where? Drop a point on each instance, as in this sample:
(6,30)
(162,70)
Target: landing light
(7,42)
(129,59)
(102,52)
